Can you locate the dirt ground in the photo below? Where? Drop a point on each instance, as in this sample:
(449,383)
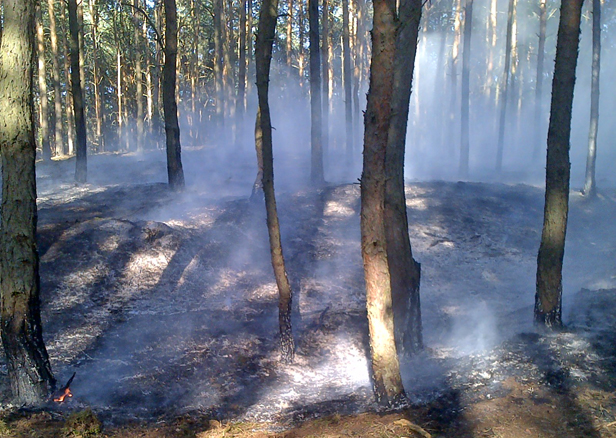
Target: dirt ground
(164,306)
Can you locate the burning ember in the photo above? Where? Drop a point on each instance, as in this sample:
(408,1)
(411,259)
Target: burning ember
(65,391)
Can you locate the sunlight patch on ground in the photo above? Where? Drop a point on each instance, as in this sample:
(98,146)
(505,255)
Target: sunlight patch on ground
(75,288)
(417,203)
(337,209)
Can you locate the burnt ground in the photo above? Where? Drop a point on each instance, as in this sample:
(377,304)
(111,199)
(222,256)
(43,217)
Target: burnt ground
(166,308)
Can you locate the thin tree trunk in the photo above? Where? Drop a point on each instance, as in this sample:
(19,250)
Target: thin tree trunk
(263,142)
(57,90)
(96,78)
(175,171)
(289,48)
(464,119)
(590,188)
(218,64)
(346,79)
(42,82)
(325,61)
(387,382)
(27,361)
(453,77)
(404,270)
(316,139)
(138,76)
(539,81)
(81,165)
(301,55)
(548,299)
(240,102)
(491,42)
(68,104)
(504,98)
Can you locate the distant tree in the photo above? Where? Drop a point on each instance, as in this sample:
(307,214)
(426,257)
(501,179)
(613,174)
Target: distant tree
(465,110)
(263,142)
(404,270)
(346,79)
(539,80)
(387,381)
(42,82)
(81,168)
(590,186)
(28,365)
(316,110)
(548,298)
(56,114)
(175,171)
(504,98)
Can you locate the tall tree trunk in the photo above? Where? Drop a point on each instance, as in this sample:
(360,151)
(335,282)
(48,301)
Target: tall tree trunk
(504,98)
(538,140)
(590,189)
(81,164)
(346,79)
(404,270)
(68,104)
(491,43)
(218,64)
(301,55)
(228,65)
(96,79)
(316,129)
(548,299)
(175,171)
(57,90)
(139,47)
(27,361)
(464,119)
(387,382)
(453,75)
(289,46)
(263,142)
(325,61)
(240,101)
(42,82)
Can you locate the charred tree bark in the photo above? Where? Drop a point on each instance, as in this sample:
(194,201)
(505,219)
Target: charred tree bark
(387,382)
(316,110)
(464,119)
(404,270)
(175,171)
(263,141)
(505,89)
(346,79)
(590,186)
(548,298)
(81,165)
(539,81)
(42,82)
(28,365)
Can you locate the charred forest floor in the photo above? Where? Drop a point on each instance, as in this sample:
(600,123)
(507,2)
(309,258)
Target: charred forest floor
(165,306)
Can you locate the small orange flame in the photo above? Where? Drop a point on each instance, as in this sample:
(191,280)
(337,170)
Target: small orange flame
(67,393)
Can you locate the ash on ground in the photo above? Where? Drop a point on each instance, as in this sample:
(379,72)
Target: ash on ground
(166,304)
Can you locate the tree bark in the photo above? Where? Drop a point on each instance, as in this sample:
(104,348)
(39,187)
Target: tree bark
(316,128)
(548,298)
(539,81)
(505,88)
(218,64)
(464,119)
(263,142)
(346,79)
(68,104)
(325,62)
(138,59)
(81,164)
(590,186)
(289,45)
(28,365)
(453,75)
(240,102)
(387,382)
(175,171)
(404,270)
(42,82)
